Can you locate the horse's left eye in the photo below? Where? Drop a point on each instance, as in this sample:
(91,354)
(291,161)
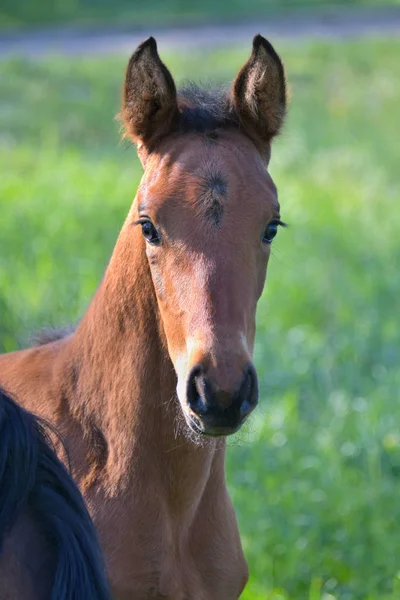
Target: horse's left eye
(150,232)
(270,232)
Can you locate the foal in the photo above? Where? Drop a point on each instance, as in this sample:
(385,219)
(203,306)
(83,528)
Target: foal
(160,366)
(48,545)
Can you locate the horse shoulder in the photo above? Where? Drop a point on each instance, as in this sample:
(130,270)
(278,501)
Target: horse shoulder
(29,376)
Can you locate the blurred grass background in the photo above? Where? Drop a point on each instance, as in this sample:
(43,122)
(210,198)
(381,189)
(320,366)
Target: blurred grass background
(315,478)
(17,13)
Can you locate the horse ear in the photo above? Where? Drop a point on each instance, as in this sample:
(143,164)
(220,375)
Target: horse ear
(149,104)
(259,92)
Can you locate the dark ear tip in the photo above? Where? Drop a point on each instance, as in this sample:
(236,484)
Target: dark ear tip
(260,42)
(149,44)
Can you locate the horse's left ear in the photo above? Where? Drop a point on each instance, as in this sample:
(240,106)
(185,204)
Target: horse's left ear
(149,104)
(259,93)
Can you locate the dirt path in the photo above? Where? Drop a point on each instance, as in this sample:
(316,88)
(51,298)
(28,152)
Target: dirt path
(74,41)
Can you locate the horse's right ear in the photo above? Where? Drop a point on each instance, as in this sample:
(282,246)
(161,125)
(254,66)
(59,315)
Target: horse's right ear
(149,105)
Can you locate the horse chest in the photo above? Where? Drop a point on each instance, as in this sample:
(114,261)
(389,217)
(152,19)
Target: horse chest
(215,570)
(192,588)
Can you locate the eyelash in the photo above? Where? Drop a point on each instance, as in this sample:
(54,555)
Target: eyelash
(280,223)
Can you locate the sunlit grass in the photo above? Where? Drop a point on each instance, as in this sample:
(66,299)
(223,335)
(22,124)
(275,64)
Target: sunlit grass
(315,478)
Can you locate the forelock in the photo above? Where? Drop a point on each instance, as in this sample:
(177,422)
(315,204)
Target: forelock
(204,110)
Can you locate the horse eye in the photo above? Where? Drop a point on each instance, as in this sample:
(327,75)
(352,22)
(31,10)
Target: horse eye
(150,232)
(270,232)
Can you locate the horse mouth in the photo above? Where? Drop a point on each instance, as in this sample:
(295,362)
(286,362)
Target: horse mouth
(211,429)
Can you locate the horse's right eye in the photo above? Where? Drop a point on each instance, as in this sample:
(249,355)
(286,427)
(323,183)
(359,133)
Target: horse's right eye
(150,232)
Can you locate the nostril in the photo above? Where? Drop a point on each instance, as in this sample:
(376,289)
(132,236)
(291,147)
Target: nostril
(247,384)
(249,391)
(195,391)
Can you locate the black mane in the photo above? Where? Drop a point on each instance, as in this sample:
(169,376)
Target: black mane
(32,478)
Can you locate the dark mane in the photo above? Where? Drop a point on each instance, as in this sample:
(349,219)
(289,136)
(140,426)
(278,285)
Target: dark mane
(205,109)
(52,334)
(32,478)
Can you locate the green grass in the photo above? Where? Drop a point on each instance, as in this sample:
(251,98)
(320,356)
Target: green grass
(316,477)
(17,13)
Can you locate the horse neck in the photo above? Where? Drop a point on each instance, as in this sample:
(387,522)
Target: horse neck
(125,382)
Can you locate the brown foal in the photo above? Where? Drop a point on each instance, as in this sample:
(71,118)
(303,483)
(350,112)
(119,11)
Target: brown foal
(160,370)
